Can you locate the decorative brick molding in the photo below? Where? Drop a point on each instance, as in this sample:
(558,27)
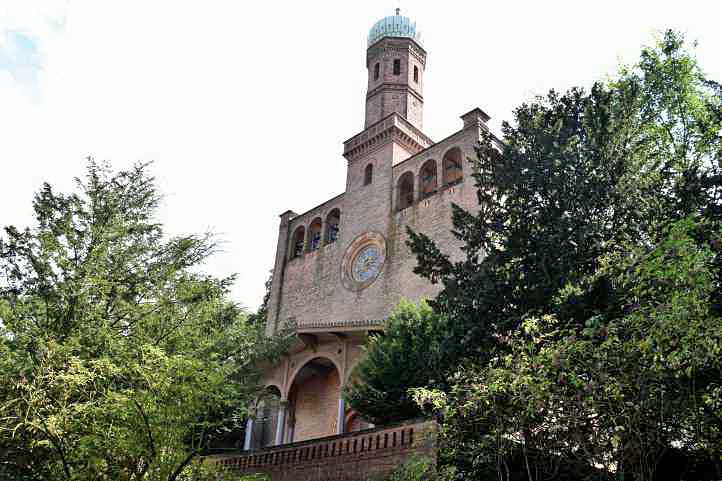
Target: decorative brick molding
(348,457)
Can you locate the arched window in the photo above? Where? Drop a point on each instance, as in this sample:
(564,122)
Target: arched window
(298,241)
(406,190)
(416,74)
(452,167)
(376,71)
(314,234)
(427,179)
(368,174)
(397,67)
(332,222)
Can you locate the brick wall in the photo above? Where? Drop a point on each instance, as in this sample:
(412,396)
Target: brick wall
(348,457)
(311,288)
(316,406)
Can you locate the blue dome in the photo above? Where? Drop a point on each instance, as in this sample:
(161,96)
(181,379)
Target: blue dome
(394,26)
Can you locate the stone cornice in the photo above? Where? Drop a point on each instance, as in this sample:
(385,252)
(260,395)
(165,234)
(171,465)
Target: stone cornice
(396,44)
(364,324)
(392,128)
(398,87)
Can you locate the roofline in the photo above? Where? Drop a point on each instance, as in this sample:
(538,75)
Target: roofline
(397,38)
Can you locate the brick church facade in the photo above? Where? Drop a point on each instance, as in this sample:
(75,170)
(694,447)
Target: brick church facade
(342,267)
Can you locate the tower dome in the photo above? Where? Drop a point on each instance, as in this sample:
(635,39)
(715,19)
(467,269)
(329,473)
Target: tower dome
(394,26)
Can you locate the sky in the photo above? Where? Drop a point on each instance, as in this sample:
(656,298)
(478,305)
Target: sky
(243,107)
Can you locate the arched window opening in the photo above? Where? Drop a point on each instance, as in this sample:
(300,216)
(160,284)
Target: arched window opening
(416,74)
(376,71)
(397,67)
(314,235)
(406,190)
(452,167)
(298,242)
(368,174)
(332,222)
(427,177)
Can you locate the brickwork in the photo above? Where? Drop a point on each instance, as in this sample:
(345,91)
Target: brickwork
(349,457)
(315,404)
(332,312)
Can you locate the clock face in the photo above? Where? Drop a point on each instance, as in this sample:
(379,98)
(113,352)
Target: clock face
(366,264)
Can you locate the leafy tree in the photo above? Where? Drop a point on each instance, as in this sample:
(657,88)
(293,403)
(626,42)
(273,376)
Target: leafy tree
(414,351)
(586,189)
(120,359)
(637,395)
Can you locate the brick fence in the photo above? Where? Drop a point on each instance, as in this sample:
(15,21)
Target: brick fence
(347,457)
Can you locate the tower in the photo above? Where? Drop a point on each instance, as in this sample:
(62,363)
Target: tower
(395,62)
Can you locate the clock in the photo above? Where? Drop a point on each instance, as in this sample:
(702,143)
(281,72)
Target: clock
(363,261)
(366,264)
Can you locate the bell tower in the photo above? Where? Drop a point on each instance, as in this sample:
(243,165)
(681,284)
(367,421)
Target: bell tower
(395,61)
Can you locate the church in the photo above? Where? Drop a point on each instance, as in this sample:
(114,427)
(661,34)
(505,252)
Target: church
(342,267)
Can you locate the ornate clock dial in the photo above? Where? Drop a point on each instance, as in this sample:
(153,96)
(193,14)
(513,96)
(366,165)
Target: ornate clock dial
(366,264)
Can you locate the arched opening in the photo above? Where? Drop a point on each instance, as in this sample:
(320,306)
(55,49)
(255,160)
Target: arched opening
(314,234)
(298,242)
(368,174)
(266,419)
(406,190)
(427,179)
(376,71)
(452,167)
(333,221)
(397,66)
(416,74)
(313,401)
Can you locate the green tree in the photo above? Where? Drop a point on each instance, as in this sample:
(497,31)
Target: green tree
(634,395)
(584,185)
(414,351)
(120,358)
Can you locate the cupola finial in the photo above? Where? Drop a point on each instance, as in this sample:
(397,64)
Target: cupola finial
(398,11)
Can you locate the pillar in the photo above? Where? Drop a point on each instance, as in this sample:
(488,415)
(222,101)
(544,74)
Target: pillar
(281,423)
(249,435)
(341,415)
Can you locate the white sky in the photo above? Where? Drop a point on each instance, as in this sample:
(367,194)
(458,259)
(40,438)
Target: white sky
(244,106)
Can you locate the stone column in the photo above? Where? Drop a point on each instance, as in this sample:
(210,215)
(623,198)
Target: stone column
(341,415)
(281,423)
(249,435)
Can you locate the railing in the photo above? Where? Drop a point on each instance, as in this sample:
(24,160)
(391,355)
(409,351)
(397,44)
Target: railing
(335,451)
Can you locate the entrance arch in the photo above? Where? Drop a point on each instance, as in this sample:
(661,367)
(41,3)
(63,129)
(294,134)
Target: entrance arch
(313,400)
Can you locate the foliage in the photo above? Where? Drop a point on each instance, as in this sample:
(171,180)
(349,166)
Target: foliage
(586,301)
(414,336)
(415,468)
(622,394)
(578,177)
(119,358)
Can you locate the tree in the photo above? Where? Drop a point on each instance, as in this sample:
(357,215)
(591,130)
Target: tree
(583,186)
(120,359)
(414,351)
(631,396)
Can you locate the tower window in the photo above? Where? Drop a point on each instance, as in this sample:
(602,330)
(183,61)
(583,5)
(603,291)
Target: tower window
(428,179)
(406,190)
(453,173)
(376,71)
(397,67)
(314,235)
(368,174)
(298,242)
(332,222)
(416,74)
